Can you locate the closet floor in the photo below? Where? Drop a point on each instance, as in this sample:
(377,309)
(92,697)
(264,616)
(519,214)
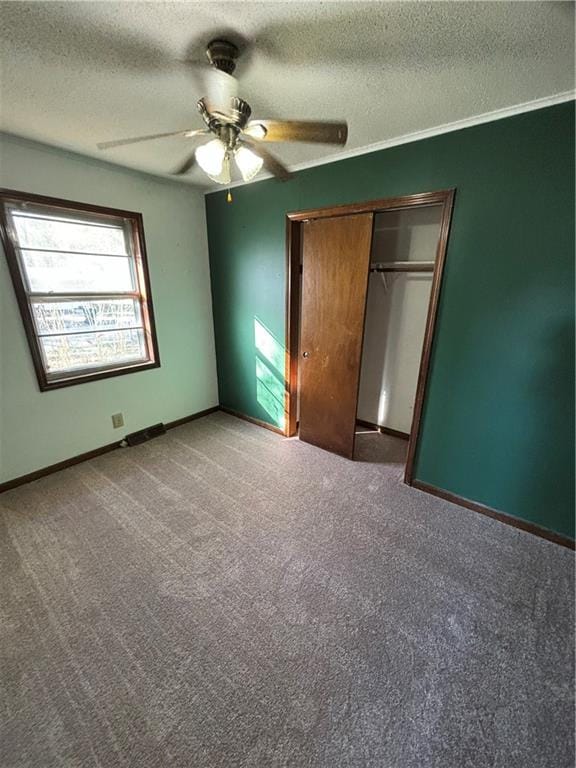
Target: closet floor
(378,448)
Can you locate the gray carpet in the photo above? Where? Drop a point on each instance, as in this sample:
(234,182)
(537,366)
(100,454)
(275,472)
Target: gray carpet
(222,597)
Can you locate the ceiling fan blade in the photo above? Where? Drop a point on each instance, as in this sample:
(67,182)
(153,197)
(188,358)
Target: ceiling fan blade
(189,163)
(298,130)
(122,142)
(271,163)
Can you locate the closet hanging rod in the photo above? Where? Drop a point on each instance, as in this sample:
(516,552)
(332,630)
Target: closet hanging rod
(403,266)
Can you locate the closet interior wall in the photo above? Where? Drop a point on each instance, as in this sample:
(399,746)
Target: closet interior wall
(404,247)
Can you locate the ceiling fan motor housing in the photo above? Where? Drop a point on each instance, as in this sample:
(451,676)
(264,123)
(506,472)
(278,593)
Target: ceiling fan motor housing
(222,54)
(235,117)
(240,111)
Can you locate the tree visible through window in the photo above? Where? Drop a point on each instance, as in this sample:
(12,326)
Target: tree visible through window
(81,279)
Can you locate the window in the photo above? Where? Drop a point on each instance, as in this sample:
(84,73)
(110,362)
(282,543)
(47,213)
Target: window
(81,280)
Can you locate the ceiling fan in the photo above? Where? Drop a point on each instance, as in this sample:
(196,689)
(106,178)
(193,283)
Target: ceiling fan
(235,136)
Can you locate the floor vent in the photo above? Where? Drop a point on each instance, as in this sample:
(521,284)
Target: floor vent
(135,438)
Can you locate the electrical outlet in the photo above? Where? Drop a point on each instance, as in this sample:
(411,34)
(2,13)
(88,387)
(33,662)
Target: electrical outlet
(117,420)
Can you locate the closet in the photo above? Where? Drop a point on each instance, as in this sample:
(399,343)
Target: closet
(403,254)
(363,288)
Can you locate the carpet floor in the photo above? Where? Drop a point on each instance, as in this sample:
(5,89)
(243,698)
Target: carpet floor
(221,597)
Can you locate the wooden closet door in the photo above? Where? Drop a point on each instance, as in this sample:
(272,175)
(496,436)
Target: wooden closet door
(335,268)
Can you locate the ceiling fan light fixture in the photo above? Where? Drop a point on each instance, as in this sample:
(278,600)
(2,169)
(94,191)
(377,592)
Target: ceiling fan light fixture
(224,176)
(210,157)
(249,164)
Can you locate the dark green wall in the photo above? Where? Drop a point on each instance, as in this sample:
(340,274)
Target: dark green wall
(499,413)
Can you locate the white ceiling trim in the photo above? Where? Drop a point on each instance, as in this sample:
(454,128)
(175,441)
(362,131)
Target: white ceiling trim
(457,125)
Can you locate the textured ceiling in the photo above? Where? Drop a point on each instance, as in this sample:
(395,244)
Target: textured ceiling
(76,73)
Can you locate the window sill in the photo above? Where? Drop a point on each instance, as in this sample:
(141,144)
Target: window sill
(47,385)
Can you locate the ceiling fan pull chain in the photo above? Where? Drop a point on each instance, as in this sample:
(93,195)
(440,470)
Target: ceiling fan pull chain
(229,197)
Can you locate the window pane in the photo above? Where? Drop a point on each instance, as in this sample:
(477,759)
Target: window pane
(67,272)
(67,236)
(89,350)
(97,315)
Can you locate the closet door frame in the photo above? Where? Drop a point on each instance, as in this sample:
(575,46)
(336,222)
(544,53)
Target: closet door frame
(294,222)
